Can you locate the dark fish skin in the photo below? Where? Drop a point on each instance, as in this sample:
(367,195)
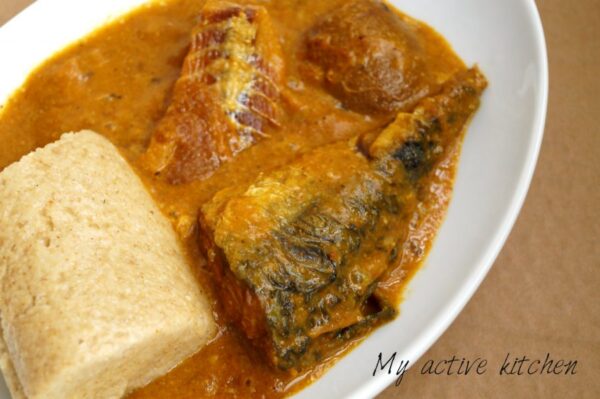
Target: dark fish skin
(227,97)
(290,238)
(306,244)
(417,139)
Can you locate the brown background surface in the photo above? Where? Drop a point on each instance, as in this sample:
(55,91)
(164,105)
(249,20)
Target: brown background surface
(543,293)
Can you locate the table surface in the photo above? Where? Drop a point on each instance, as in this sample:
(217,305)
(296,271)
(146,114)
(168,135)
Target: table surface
(543,292)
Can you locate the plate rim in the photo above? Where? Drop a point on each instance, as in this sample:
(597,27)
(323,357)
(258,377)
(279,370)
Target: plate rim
(460,299)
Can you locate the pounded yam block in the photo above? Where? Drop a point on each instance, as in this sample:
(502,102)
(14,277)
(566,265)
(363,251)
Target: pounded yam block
(96,298)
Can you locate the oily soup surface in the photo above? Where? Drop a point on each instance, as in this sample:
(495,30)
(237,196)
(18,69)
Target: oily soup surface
(118,82)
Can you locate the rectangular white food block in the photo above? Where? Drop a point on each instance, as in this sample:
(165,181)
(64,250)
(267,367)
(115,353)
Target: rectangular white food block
(96,298)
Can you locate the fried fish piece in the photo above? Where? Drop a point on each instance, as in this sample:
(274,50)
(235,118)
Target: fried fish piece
(369,58)
(227,97)
(299,251)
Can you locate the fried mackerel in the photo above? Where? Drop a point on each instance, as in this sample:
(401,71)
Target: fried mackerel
(227,97)
(298,253)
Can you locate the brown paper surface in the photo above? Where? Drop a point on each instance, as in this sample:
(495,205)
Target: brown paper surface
(543,293)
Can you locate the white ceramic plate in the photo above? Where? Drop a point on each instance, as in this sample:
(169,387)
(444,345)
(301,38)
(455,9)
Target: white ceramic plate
(499,155)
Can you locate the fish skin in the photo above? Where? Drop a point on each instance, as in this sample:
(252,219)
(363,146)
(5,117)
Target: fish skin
(227,97)
(307,243)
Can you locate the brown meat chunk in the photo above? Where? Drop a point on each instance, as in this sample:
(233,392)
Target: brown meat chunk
(299,252)
(227,97)
(369,58)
